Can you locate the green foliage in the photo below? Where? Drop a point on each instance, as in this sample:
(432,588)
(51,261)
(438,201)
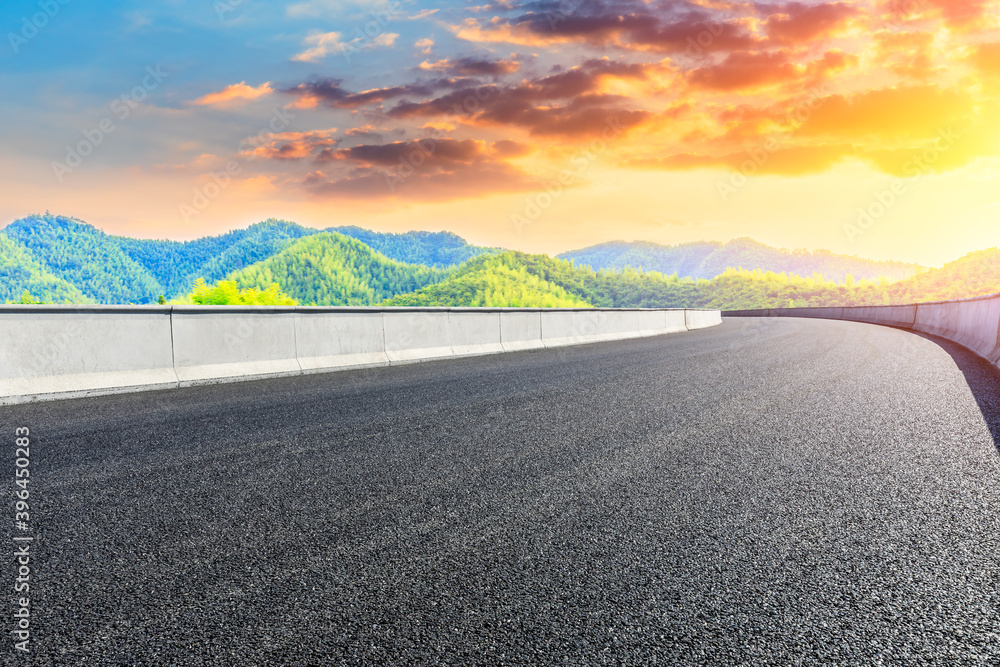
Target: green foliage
(976,274)
(492,281)
(228,293)
(21,274)
(176,264)
(54,259)
(495,286)
(85,257)
(330,269)
(118,269)
(437,249)
(737,289)
(27,299)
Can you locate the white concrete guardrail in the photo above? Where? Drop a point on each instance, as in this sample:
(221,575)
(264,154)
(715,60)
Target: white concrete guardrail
(972,323)
(49,352)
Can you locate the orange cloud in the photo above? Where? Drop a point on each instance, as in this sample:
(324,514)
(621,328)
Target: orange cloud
(766,158)
(472,66)
(986,58)
(427,169)
(293,145)
(799,23)
(907,54)
(916,112)
(234,94)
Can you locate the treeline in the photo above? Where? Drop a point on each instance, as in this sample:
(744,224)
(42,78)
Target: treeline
(67,260)
(331,269)
(476,284)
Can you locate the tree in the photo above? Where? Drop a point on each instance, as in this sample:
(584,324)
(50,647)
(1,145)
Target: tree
(228,293)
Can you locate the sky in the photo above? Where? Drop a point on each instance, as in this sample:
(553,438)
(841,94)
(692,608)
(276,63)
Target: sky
(868,128)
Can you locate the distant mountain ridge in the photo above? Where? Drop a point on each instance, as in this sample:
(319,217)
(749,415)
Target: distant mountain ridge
(56,259)
(66,260)
(706,260)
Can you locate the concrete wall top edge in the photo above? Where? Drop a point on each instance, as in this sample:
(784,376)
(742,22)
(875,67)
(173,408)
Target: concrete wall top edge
(19,309)
(985,297)
(205,310)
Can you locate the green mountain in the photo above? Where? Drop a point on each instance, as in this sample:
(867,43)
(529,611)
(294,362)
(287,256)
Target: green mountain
(330,269)
(64,260)
(708,260)
(85,257)
(176,265)
(502,281)
(976,274)
(437,249)
(118,269)
(20,273)
(517,279)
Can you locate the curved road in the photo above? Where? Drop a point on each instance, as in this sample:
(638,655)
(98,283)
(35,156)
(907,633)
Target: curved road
(764,492)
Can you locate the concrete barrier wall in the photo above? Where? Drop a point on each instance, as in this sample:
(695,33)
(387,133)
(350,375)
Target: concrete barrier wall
(569,327)
(212,345)
(340,339)
(972,323)
(521,330)
(474,332)
(52,349)
(51,352)
(702,319)
(416,335)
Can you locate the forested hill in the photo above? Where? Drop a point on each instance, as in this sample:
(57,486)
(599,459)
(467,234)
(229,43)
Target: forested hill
(331,269)
(516,279)
(708,260)
(438,249)
(21,273)
(65,260)
(56,259)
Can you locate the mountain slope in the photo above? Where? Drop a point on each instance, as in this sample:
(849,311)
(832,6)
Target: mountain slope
(496,285)
(20,273)
(176,265)
(975,274)
(708,260)
(437,249)
(497,279)
(85,257)
(329,269)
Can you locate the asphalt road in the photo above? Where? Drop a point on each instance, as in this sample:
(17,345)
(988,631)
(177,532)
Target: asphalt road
(764,492)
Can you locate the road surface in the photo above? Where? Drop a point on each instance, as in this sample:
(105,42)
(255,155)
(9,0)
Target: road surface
(764,492)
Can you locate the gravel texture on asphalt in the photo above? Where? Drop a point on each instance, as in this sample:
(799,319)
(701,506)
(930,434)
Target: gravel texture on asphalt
(765,492)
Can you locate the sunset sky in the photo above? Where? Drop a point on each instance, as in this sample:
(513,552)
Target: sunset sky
(866,128)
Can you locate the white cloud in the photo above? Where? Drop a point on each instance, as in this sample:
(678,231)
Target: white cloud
(321,45)
(424,45)
(324,44)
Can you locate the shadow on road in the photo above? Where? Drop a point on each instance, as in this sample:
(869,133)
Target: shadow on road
(983,379)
